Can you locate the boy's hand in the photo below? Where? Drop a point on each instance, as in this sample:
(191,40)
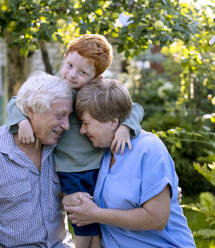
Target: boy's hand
(121,138)
(25,132)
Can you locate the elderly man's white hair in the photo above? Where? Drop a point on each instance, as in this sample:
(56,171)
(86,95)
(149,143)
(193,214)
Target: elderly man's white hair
(41,90)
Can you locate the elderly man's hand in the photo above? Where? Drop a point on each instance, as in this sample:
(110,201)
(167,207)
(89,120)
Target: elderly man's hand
(74,199)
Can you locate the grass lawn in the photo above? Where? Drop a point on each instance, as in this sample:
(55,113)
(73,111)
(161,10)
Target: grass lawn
(196,221)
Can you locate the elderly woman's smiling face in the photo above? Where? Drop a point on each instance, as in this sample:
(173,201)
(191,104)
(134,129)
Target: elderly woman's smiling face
(48,126)
(100,133)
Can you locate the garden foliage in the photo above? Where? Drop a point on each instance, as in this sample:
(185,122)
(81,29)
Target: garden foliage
(206,204)
(186,127)
(178,97)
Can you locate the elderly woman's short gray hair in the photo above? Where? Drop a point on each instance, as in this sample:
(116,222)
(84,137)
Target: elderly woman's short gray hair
(104,100)
(41,90)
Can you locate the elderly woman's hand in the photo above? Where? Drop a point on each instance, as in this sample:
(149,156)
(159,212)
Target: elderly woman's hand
(74,199)
(83,213)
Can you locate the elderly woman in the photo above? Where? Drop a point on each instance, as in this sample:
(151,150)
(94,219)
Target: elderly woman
(136,193)
(30,203)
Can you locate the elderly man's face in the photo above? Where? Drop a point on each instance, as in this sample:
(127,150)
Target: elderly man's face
(49,126)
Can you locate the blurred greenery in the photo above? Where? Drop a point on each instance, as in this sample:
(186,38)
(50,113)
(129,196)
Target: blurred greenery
(175,85)
(196,221)
(179,120)
(27,24)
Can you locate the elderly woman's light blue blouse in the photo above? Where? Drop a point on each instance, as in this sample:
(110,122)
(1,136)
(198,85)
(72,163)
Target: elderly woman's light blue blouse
(136,177)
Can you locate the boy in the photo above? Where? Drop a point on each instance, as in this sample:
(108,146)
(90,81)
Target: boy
(77,162)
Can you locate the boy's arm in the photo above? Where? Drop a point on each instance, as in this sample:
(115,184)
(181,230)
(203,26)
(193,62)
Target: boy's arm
(135,119)
(14,115)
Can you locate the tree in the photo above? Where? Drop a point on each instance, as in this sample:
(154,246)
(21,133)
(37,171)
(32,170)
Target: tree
(149,23)
(27,24)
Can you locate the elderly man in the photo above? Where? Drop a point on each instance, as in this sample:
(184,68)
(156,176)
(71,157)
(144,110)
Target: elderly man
(30,203)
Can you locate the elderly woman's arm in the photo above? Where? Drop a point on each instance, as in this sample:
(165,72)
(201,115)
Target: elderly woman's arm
(153,215)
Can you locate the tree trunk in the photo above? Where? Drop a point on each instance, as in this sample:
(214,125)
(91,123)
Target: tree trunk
(45,57)
(18,68)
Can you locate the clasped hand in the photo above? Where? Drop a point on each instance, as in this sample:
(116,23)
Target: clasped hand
(80,208)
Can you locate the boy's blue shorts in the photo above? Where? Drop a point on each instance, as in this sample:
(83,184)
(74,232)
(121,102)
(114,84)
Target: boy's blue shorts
(72,182)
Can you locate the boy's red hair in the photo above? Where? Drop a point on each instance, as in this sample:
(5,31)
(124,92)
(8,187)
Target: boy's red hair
(95,48)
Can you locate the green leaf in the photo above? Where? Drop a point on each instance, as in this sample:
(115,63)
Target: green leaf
(205,233)
(206,172)
(178,144)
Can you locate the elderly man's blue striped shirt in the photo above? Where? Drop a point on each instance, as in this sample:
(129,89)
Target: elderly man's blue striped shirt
(30,205)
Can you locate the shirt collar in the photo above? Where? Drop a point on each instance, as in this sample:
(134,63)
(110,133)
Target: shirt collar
(7,144)
(6,140)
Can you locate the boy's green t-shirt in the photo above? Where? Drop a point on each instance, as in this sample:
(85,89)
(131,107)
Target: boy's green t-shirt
(74,152)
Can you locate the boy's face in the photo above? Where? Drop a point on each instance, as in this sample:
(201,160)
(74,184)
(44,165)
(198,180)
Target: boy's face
(77,70)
